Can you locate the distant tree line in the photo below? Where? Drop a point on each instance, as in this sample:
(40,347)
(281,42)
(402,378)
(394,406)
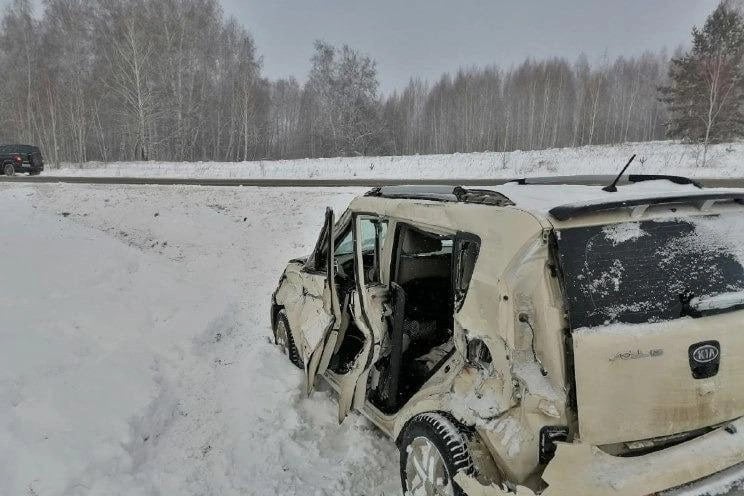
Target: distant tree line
(131,79)
(175,80)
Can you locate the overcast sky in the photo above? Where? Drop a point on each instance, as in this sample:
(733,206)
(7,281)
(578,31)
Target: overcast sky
(427,37)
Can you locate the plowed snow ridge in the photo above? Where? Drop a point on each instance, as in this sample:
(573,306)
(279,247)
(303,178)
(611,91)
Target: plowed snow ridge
(664,157)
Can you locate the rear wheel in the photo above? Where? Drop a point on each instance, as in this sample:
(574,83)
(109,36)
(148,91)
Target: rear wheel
(283,338)
(9,169)
(433,449)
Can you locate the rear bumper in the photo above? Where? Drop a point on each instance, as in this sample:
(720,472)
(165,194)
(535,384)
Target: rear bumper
(715,460)
(727,482)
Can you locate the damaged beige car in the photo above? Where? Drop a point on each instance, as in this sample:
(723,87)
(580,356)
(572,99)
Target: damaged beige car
(540,337)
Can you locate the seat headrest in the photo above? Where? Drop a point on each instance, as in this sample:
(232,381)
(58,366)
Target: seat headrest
(415,243)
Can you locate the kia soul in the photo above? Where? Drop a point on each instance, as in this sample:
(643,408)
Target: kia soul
(541,337)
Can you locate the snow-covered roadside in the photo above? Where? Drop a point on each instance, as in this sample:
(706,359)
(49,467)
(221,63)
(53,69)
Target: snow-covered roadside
(663,157)
(135,351)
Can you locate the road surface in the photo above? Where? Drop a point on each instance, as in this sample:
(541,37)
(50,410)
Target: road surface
(314,183)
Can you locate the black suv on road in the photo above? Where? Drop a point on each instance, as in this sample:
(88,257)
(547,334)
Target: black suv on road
(21,158)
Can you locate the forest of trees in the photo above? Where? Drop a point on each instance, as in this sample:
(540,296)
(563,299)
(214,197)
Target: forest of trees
(176,80)
(705,97)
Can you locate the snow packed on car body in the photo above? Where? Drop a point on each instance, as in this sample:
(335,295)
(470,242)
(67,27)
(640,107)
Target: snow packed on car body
(540,337)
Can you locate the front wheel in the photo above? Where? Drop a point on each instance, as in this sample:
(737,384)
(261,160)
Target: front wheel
(283,338)
(9,169)
(433,449)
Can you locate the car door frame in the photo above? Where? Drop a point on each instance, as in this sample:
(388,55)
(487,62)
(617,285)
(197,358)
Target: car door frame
(314,365)
(351,387)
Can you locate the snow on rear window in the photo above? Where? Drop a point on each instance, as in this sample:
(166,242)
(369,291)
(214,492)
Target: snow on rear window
(648,271)
(620,233)
(721,234)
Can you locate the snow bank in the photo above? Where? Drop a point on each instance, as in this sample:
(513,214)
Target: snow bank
(655,157)
(136,353)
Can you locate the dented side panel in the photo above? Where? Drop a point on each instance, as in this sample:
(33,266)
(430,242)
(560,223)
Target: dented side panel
(526,380)
(508,400)
(306,299)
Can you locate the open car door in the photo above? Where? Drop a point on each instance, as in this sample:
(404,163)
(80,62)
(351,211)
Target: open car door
(321,312)
(369,310)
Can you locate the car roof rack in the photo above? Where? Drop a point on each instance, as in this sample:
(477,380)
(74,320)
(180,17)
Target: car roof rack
(442,193)
(602,180)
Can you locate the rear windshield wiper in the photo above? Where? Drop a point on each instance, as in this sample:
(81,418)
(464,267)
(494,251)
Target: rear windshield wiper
(722,301)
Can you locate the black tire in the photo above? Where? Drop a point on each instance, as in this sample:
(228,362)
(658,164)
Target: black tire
(450,441)
(9,169)
(290,349)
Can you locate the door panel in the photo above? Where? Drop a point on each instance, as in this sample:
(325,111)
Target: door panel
(320,313)
(315,316)
(349,382)
(368,307)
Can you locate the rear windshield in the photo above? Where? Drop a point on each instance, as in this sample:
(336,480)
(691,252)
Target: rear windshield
(649,271)
(22,149)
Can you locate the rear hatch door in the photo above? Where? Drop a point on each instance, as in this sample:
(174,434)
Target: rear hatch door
(649,360)
(645,381)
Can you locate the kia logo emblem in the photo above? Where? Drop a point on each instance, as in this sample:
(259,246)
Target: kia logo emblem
(705,359)
(705,353)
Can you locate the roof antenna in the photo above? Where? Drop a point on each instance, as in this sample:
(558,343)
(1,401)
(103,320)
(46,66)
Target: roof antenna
(612,188)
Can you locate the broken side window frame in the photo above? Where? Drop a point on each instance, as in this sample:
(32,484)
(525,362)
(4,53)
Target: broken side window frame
(459,286)
(377,221)
(319,252)
(311,265)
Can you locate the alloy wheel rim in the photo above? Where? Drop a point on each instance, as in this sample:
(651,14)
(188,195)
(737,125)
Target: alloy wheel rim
(426,472)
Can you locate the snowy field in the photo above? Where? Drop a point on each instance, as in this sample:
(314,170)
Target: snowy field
(136,354)
(664,157)
(135,344)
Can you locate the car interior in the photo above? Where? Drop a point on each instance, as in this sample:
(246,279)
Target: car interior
(421,331)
